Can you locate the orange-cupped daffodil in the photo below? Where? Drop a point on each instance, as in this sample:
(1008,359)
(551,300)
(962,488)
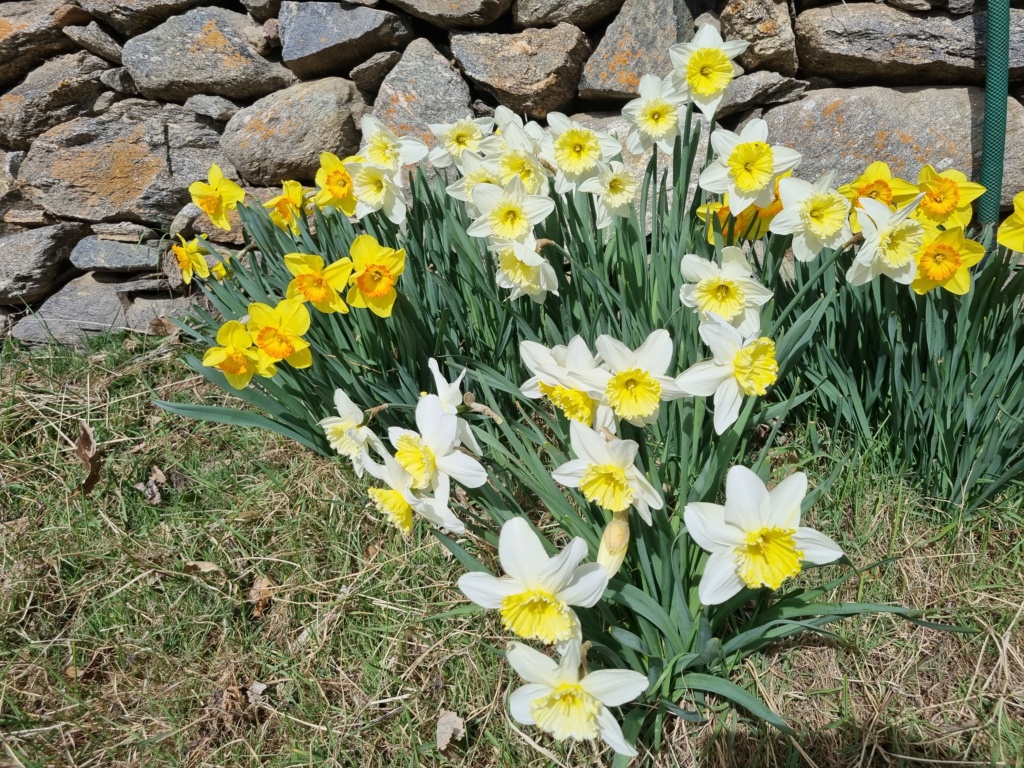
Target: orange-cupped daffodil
(877,183)
(335,183)
(191,257)
(286,208)
(1011,231)
(278,331)
(217,197)
(376,269)
(947,197)
(236,357)
(945,261)
(318,285)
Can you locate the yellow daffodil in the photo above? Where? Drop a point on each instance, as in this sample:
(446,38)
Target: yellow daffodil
(316,284)
(220,271)
(947,197)
(217,197)
(945,261)
(335,183)
(191,257)
(1011,231)
(877,183)
(611,553)
(376,269)
(286,208)
(278,331)
(236,357)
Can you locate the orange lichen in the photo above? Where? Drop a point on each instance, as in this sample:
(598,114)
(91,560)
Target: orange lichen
(212,41)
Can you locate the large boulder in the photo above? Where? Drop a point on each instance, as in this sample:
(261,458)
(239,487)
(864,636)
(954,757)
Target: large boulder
(440,94)
(869,43)
(319,39)
(581,13)
(206,50)
(30,261)
(535,71)
(133,163)
(29,34)
(636,43)
(452,14)
(133,17)
(766,25)
(848,128)
(281,136)
(60,90)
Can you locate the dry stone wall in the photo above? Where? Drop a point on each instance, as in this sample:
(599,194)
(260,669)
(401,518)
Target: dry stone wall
(111,108)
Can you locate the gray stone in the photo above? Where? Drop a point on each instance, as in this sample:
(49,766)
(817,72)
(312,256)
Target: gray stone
(69,15)
(634,46)
(133,163)
(214,107)
(582,13)
(765,24)
(964,6)
(319,39)
(113,256)
(95,39)
(759,89)
(133,17)
(708,18)
(281,136)
(30,261)
(145,283)
(440,95)
(22,216)
(106,100)
(9,164)
(147,315)
(911,5)
(123,231)
(7,319)
(82,308)
(29,34)
(58,91)
(864,42)
(203,51)
(261,10)
(452,14)
(848,128)
(532,72)
(272,33)
(119,79)
(371,73)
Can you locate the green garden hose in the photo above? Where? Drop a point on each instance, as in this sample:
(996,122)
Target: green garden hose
(997,81)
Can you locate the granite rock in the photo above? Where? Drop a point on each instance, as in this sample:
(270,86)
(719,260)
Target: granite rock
(371,73)
(766,25)
(82,308)
(29,34)
(261,10)
(133,17)
(30,261)
(96,40)
(113,256)
(580,13)
(119,79)
(453,14)
(759,89)
(216,108)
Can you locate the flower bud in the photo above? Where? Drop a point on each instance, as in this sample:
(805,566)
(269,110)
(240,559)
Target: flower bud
(614,543)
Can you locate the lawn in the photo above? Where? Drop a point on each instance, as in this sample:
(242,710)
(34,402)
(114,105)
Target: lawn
(259,613)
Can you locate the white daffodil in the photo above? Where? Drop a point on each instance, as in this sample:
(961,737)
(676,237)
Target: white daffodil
(346,432)
(654,117)
(509,211)
(475,171)
(577,150)
(466,135)
(518,162)
(755,540)
(522,270)
(613,188)
(397,500)
(746,166)
(432,453)
(508,124)
(702,68)
(634,381)
(450,394)
(555,376)
(560,702)
(739,367)
(891,239)
(729,291)
(606,473)
(533,599)
(815,214)
(376,189)
(382,147)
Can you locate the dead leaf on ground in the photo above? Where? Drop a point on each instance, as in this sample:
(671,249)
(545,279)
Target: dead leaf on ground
(161,326)
(260,595)
(203,566)
(90,456)
(449,726)
(255,692)
(151,488)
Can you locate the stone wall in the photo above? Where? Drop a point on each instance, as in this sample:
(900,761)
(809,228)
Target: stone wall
(111,108)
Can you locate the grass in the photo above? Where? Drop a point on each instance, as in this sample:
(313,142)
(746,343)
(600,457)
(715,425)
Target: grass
(259,614)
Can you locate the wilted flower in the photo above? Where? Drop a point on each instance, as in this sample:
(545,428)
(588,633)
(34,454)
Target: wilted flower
(523,270)
(347,432)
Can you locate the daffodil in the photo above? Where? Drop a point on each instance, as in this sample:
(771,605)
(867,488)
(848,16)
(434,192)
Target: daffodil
(524,165)
(731,229)
(562,703)
(508,212)
(729,291)
(220,270)
(511,128)
(533,599)
(947,197)
(877,183)
(945,261)
(756,539)
(318,285)
(236,357)
(633,382)
(475,171)
(891,239)
(347,432)
(335,183)
(577,150)
(605,472)
(383,148)
(746,166)
(287,208)
(217,197)
(375,271)
(278,331)
(376,189)
(450,394)
(815,214)
(1011,231)
(191,258)
(702,68)
(397,501)
(654,117)
(523,270)
(555,377)
(738,368)
(465,135)
(611,552)
(613,188)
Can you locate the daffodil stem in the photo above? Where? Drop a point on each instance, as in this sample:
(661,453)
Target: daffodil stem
(807,285)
